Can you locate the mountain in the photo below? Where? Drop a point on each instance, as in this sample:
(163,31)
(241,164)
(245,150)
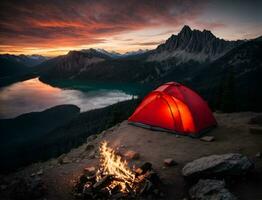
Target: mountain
(201,46)
(111,54)
(26,60)
(10,67)
(114,54)
(24,134)
(195,58)
(72,64)
(18,67)
(135,53)
(181,54)
(96,65)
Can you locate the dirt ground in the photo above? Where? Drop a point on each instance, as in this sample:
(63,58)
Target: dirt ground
(231,135)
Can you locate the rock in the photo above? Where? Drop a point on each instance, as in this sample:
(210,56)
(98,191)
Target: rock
(89,147)
(32,175)
(255,130)
(231,164)
(210,189)
(131,155)
(170,162)
(60,158)
(90,170)
(66,160)
(207,138)
(53,162)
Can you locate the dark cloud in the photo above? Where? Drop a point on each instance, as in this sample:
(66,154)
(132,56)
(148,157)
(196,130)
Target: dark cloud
(52,23)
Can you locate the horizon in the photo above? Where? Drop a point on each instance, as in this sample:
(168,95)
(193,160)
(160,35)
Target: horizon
(55,28)
(112,51)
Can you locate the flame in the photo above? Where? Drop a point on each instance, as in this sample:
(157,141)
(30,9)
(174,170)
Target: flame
(113,164)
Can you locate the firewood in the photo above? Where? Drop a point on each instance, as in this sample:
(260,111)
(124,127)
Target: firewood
(116,189)
(146,188)
(88,189)
(153,177)
(129,188)
(91,178)
(144,168)
(103,182)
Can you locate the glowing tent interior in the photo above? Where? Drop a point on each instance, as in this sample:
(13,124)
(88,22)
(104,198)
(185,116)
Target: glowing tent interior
(175,108)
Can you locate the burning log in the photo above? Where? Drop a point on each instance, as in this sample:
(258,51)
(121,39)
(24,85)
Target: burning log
(105,181)
(115,180)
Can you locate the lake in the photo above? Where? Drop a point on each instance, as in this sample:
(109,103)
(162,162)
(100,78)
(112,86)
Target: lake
(34,95)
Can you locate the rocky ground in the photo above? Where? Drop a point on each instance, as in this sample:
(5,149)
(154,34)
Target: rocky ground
(54,179)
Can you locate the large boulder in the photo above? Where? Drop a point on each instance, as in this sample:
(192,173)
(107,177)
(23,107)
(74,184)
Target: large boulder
(232,164)
(210,190)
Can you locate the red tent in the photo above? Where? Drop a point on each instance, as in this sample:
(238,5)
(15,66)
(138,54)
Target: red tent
(176,108)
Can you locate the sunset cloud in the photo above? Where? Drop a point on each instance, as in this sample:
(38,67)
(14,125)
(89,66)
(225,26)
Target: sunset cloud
(56,24)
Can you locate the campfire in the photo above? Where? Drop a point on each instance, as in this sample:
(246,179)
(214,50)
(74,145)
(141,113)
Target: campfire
(114,179)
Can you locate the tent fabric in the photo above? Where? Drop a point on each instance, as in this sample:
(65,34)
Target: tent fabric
(176,108)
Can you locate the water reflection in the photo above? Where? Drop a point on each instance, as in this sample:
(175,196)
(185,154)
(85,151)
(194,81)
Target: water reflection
(34,95)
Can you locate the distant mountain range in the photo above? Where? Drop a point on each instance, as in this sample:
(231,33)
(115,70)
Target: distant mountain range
(196,58)
(114,54)
(11,65)
(189,47)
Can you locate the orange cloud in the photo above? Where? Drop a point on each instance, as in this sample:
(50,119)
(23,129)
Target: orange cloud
(50,25)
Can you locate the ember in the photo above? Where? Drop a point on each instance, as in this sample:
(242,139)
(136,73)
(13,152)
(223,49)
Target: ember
(114,179)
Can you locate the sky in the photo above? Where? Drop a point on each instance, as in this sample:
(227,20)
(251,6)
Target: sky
(53,27)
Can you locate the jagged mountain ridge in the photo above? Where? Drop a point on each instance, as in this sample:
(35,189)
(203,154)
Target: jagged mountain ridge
(201,46)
